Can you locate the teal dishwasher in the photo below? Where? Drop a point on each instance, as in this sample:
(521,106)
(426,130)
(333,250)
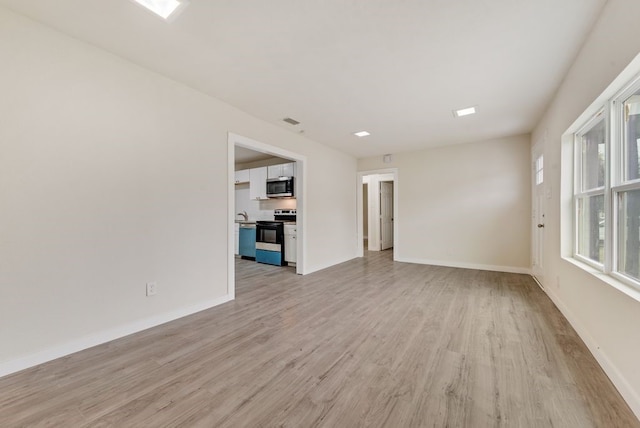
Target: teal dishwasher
(248,241)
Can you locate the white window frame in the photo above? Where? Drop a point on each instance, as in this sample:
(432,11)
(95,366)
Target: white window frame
(615,184)
(579,193)
(617,176)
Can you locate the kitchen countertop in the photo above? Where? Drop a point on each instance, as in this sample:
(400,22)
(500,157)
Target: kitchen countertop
(246,221)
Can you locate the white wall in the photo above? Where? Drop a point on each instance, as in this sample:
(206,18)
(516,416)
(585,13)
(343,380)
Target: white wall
(112,176)
(465,205)
(605,318)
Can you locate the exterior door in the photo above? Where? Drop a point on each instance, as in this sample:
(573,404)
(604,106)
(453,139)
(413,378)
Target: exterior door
(537,215)
(386,214)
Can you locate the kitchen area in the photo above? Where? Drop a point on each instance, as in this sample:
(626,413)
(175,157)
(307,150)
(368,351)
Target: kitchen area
(266,211)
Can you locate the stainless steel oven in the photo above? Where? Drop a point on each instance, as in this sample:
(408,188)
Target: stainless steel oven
(270,242)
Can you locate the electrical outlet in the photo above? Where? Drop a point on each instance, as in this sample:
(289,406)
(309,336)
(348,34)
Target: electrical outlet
(152,288)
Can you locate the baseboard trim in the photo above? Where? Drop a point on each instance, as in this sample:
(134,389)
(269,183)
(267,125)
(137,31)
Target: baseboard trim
(493,268)
(538,282)
(104,336)
(629,394)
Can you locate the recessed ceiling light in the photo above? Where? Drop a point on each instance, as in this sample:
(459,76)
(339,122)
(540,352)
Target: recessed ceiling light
(361,134)
(465,111)
(163,8)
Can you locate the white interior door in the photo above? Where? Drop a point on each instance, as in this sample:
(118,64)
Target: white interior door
(386,214)
(537,215)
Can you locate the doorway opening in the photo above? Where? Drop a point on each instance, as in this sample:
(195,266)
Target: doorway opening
(250,207)
(377,195)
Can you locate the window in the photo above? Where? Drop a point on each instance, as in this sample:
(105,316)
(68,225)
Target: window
(540,170)
(607,188)
(627,193)
(590,191)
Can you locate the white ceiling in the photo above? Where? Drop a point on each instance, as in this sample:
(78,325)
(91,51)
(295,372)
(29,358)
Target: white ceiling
(243,155)
(396,68)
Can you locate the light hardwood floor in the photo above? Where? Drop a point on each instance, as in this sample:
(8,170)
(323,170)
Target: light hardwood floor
(369,342)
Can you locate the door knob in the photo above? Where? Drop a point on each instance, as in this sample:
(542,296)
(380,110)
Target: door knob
(540,225)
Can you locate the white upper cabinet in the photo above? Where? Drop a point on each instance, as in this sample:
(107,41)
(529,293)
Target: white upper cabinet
(289,169)
(282,170)
(258,183)
(242,176)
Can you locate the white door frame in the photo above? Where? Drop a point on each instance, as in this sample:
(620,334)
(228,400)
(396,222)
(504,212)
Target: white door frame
(538,203)
(373,209)
(301,201)
(360,215)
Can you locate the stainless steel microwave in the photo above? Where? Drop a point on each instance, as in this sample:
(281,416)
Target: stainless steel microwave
(281,187)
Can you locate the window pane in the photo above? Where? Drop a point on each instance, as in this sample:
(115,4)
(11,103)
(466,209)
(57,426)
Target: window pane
(632,137)
(592,158)
(540,169)
(591,227)
(629,233)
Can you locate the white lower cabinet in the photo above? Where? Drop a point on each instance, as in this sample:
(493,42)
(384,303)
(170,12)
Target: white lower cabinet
(290,243)
(237,241)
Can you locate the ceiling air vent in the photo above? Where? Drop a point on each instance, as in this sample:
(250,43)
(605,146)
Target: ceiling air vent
(291,121)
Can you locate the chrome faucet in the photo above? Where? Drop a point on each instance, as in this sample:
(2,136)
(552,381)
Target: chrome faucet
(245,215)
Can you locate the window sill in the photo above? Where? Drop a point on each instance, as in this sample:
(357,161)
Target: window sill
(627,289)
